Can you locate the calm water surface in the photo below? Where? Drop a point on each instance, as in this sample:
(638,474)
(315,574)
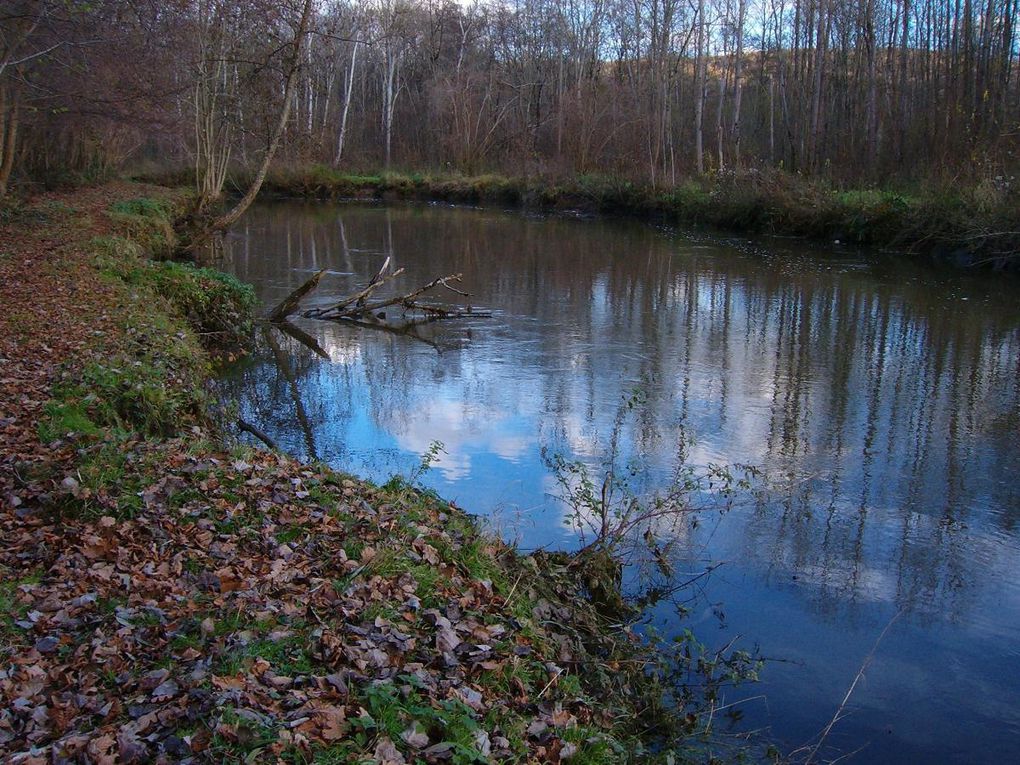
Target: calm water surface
(881,399)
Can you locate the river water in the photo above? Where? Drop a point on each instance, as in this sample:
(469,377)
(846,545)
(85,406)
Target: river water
(881,400)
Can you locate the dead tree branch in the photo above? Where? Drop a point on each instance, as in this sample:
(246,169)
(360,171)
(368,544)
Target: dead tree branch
(290,303)
(358,309)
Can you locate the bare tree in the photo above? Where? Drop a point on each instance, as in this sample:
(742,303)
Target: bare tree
(348,92)
(291,66)
(857,90)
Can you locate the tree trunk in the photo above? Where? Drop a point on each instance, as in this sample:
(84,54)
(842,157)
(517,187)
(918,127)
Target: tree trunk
(720,132)
(389,98)
(699,92)
(872,106)
(226,220)
(737,85)
(349,90)
(10,106)
(818,94)
(212,131)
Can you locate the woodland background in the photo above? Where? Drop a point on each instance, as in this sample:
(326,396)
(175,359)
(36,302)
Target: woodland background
(858,92)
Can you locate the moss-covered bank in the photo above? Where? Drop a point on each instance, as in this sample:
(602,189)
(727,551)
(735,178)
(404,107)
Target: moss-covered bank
(169,596)
(969,226)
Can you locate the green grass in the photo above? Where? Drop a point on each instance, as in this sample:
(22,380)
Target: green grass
(526,671)
(392,709)
(144,206)
(287,656)
(593,747)
(109,478)
(291,534)
(63,418)
(114,255)
(393,563)
(249,738)
(148,222)
(11,608)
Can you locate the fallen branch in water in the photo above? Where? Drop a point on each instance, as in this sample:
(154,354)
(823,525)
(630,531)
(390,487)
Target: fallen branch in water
(812,751)
(358,298)
(290,303)
(247,427)
(342,310)
(357,309)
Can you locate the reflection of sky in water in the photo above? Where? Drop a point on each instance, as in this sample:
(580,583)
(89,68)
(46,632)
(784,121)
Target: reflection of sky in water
(882,398)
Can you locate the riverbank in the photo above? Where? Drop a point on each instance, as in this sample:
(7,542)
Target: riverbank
(168,594)
(978,227)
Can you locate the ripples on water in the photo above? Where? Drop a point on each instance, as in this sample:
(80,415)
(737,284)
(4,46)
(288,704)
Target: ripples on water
(881,398)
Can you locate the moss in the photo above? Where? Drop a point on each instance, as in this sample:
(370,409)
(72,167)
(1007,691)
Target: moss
(64,418)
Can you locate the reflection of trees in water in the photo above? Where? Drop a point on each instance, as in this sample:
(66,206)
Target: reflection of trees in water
(889,412)
(886,390)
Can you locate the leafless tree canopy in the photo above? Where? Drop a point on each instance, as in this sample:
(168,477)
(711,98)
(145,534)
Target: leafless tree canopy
(653,90)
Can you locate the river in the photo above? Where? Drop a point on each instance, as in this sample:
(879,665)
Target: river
(880,398)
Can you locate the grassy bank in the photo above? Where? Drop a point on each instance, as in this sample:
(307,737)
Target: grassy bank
(165,594)
(976,226)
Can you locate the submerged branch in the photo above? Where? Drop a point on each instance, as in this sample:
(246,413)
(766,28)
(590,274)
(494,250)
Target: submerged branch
(404,330)
(247,427)
(357,309)
(303,337)
(290,303)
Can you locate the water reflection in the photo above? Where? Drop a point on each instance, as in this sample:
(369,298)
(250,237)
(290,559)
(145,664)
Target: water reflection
(884,399)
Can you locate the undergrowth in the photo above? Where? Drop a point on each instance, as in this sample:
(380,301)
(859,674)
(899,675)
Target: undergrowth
(970,225)
(152,378)
(148,222)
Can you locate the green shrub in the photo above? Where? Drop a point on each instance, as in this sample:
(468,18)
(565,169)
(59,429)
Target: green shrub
(689,200)
(155,208)
(216,305)
(148,222)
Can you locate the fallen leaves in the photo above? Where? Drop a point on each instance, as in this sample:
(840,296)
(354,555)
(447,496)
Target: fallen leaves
(196,613)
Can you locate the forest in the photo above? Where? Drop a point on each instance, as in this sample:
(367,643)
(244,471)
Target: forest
(860,93)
